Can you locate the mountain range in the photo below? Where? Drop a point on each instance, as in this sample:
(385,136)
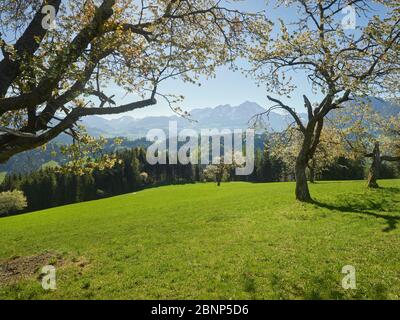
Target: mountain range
(220,117)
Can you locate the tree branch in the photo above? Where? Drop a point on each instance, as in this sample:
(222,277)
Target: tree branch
(291,112)
(25,47)
(62,62)
(389,158)
(17,133)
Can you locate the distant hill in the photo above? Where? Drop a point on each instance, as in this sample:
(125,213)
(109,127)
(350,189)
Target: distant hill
(383,107)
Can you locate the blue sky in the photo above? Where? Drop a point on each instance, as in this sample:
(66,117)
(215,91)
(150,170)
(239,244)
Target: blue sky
(228,87)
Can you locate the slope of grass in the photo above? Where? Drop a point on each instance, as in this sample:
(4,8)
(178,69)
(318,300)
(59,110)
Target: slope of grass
(239,241)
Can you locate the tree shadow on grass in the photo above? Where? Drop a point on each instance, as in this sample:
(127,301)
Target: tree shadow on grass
(323,285)
(375,204)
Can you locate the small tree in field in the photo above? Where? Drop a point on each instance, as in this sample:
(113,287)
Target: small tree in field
(223,167)
(58,57)
(338,65)
(12,201)
(216,172)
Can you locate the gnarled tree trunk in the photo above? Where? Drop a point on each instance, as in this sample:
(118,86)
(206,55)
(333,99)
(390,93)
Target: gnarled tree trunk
(311,170)
(311,136)
(302,191)
(373,174)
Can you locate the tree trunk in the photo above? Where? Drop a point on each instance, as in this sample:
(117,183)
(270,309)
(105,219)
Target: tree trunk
(302,191)
(219,179)
(311,168)
(375,167)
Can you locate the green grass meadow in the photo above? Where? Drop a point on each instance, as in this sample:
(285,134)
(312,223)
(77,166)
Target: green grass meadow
(239,241)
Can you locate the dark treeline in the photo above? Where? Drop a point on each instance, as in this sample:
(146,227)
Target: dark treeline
(48,188)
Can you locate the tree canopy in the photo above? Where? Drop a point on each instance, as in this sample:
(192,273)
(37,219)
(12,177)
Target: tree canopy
(339,65)
(58,56)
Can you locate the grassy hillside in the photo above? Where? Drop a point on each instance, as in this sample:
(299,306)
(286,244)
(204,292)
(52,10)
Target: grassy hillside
(199,241)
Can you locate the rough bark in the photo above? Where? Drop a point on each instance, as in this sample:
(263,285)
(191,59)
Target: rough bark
(377,159)
(373,174)
(302,190)
(311,168)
